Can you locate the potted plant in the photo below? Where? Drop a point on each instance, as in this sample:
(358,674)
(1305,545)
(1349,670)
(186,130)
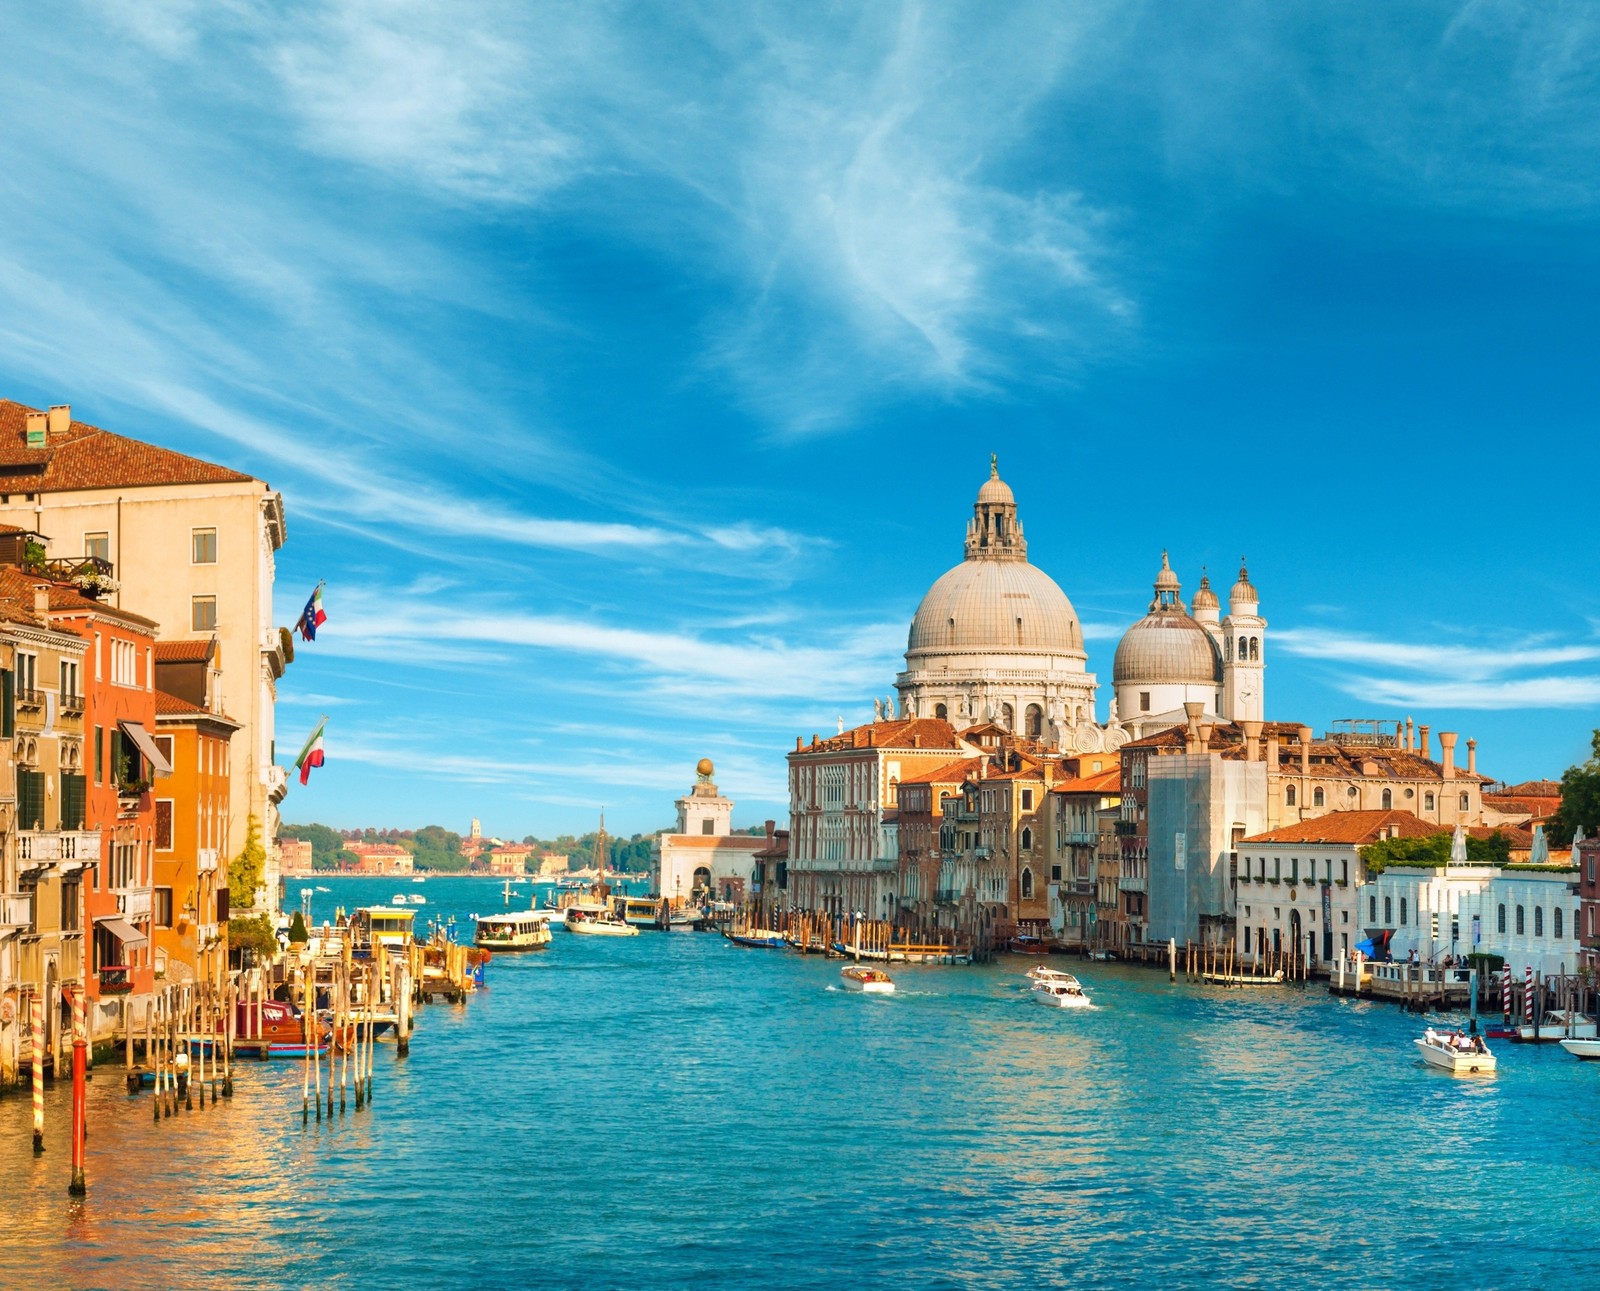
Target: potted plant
(297,932)
(93,583)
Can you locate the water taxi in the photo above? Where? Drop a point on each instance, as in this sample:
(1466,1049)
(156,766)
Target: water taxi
(1056,989)
(518,930)
(381,927)
(641,912)
(594,919)
(870,981)
(1582,1048)
(1454,1052)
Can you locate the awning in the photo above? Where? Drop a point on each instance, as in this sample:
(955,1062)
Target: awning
(147,746)
(122,930)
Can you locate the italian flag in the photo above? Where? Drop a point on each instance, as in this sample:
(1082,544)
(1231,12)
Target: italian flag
(311,755)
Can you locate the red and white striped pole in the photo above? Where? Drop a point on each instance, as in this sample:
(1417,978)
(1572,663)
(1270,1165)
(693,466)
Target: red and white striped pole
(1527,996)
(36,1020)
(1505,995)
(80,1068)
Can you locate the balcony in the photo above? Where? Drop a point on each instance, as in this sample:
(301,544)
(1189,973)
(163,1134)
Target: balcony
(1132,883)
(205,860)
(52,845)
(72,705)
(16,910)
(983,853)
(1080,838)
(115,979)
(27,697)
(1127,828)
(133,903)
(947,896)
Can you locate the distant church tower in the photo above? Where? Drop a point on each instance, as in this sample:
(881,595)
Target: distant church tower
(1244,664)
(703,810)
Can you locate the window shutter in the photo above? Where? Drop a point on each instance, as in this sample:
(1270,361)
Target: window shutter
(163,824)
(72,800)
(30,799)
(8,703)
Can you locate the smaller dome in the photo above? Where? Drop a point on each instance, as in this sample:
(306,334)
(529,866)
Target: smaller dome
(1204,597)
(1165,647)
(995,491)
(1244,590)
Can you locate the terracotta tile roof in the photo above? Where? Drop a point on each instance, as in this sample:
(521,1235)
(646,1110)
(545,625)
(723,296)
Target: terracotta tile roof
(949,773)
(901,733)
(87,457)
(16,597)
(64,598)
(1521,840)
(1098,782)
(198,651)
(171,706)
(1531,789)
(739,842)
(1350,827)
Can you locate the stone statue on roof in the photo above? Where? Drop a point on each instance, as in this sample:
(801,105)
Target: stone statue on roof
(877,710)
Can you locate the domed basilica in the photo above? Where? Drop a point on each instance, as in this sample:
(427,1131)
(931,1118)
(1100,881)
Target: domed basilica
(995,640)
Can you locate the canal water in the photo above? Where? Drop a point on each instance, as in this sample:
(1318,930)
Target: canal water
(671,1111)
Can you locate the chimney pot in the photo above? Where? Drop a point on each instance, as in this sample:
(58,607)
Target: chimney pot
(1447,753)
(37,424)
(1252,738)
(60,418)
(1305,750)
(1411,736)
(1422,741)
(1472,757)
(41,600)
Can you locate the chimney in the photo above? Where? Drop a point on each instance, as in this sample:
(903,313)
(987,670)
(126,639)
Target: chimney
(1411,736)
(799,743)
(41,600)
(1472,757)
(37,426)
(1193,742)
(1447,753)
(1422,741)
(60,418)
(772,825)
(1252,737)
(1272,751)
(1305,750)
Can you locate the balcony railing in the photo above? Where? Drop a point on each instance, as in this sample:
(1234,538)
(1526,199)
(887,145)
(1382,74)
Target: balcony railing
(133,903)
(205,860)
(983,853)
(115,979)
(27,697)
(72,705)
(1133,883)
(947,896)
(63,845)
(1127,828)
(1081,837)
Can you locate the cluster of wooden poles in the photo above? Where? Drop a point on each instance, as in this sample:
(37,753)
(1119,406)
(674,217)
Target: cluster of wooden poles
(348,1045)
(1221,962)
(817,932)
(187,1027)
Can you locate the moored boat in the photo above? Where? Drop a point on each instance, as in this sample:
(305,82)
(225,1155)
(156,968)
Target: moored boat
(517,930)
(1560,1024)
(870,981)
(1454,1052)
(1587,1049)
(758,939)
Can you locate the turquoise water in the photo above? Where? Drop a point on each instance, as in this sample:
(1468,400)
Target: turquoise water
(667,1111)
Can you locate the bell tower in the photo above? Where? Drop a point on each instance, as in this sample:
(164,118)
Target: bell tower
(1244,663)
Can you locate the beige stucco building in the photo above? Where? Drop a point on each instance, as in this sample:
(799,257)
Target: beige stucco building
(192,546)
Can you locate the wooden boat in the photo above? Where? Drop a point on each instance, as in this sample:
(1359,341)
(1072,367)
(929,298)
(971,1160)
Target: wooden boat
(1028,944)
(594,919)
(1243,979)
(870,981)
(519,930)
(1587,1049)
(1560,1024)
(758,939)
(277,1028)
(1058,990)
(1454,1052)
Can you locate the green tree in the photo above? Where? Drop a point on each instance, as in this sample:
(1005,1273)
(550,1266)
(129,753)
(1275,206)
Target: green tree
(252,932)
(247,870)
(1433,850)
(1580,799)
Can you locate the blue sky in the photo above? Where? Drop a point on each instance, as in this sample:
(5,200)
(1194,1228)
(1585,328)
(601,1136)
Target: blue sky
(628,370)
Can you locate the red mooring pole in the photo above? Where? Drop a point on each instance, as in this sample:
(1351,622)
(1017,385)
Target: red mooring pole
(80,1063)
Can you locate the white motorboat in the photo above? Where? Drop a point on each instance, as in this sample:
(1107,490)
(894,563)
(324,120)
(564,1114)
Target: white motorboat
(518,930)
(400,898)
(1560,1024)
(1454,1052)
(871,981)
(1582,1048)
(419,878)
(1056,989)
(596,920)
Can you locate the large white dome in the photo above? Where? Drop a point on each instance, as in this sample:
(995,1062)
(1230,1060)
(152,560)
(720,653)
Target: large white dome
(1004,606)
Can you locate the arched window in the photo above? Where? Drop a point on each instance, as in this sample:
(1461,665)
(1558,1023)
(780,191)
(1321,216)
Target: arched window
(1372,909)
(1318,798)
(1027,885)
(1538,921)
(1227,657)
(1027,840)
(1244,649)
(1288,795)
(1388,910)
(1388,799)
(1427,802)
(1008,717)
(1501,922)
(1465,802)
(1520,928)
(702,878)
(1035,716)
(941,712)
(1255,649)
(1555,923)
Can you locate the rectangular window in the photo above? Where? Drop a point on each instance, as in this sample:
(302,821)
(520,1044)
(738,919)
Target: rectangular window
(99,754)
(204,542)
(1402,912)
(97,546)
(124,663)
(71,903)
(1344,871)
(70,687)
(1388,910)
(27,678)
(30,799)
(1027,800)
(1144,701)
(161,907)
(163,824)
(72,800)
(203,613)
(8,703)
(164,743)
(1294,869)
